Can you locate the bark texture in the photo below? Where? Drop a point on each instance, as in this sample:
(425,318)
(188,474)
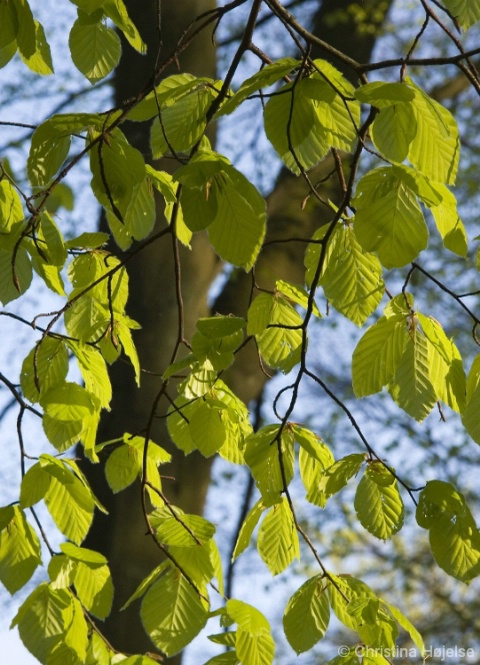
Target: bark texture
(153,300)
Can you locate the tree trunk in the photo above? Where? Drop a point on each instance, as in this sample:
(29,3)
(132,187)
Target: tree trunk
(153,301)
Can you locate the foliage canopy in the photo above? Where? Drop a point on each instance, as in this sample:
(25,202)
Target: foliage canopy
(396,152)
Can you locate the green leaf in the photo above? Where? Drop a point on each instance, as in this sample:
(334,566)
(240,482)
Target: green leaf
(26,36)
(172,612)
(303,121)
(15,274)
(196,562)
(94,587)
(312,445)
(454,536)
(254,649)
(40,61)
(185,531)
(334,478)
(227,638)
(358,608)
(470,418)
(389,220)
(435,150)
(7,52)
(123,467)
(394,127)
(406,624)
(296,294)
(448,222)
(43,619)
(207,428)
(411,386)
(378,354)
(11,209)
(383,94)
(69,502)
(35,484)
(45,367)
(446,367)
(117,169)
(254,644)
(226,658)
(467,12)
(278,539)
(20,553)
(247,617)
(182,123)
(67,407)
(266,77)
(379,507)
(307,615)
(94,372)
(247,529)
(50,144)
(50,241)
(9,23)
(95,48)
(262,456)
(87,241)
(277,329)
(351,277)
(344,590)
(439,499)
(455,544)
(117,12)
(238,228)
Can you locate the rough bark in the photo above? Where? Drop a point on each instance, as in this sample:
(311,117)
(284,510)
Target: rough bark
(153,302)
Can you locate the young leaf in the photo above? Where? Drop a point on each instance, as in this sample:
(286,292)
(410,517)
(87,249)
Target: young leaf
(69,502)
(448,222)
(45,367)
(303,121)
(95,48)
(377,355)
(277,329)
(307,615)
(467,12)
(11,209)
(455,544)
(446,368)
(435,150)
(20,552)
(117,169)
(172,612)
(470,415)
(40,61)
(181,124)
(351,278)
(334,478)
(389,220)
(454,536)
(262,456)
(185,531)
(117,12)
(247,529)
(43,618)
(266,77)
(278,539)
(411,386)
(254,644)
(15,277)
(26,35)
(379,507)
